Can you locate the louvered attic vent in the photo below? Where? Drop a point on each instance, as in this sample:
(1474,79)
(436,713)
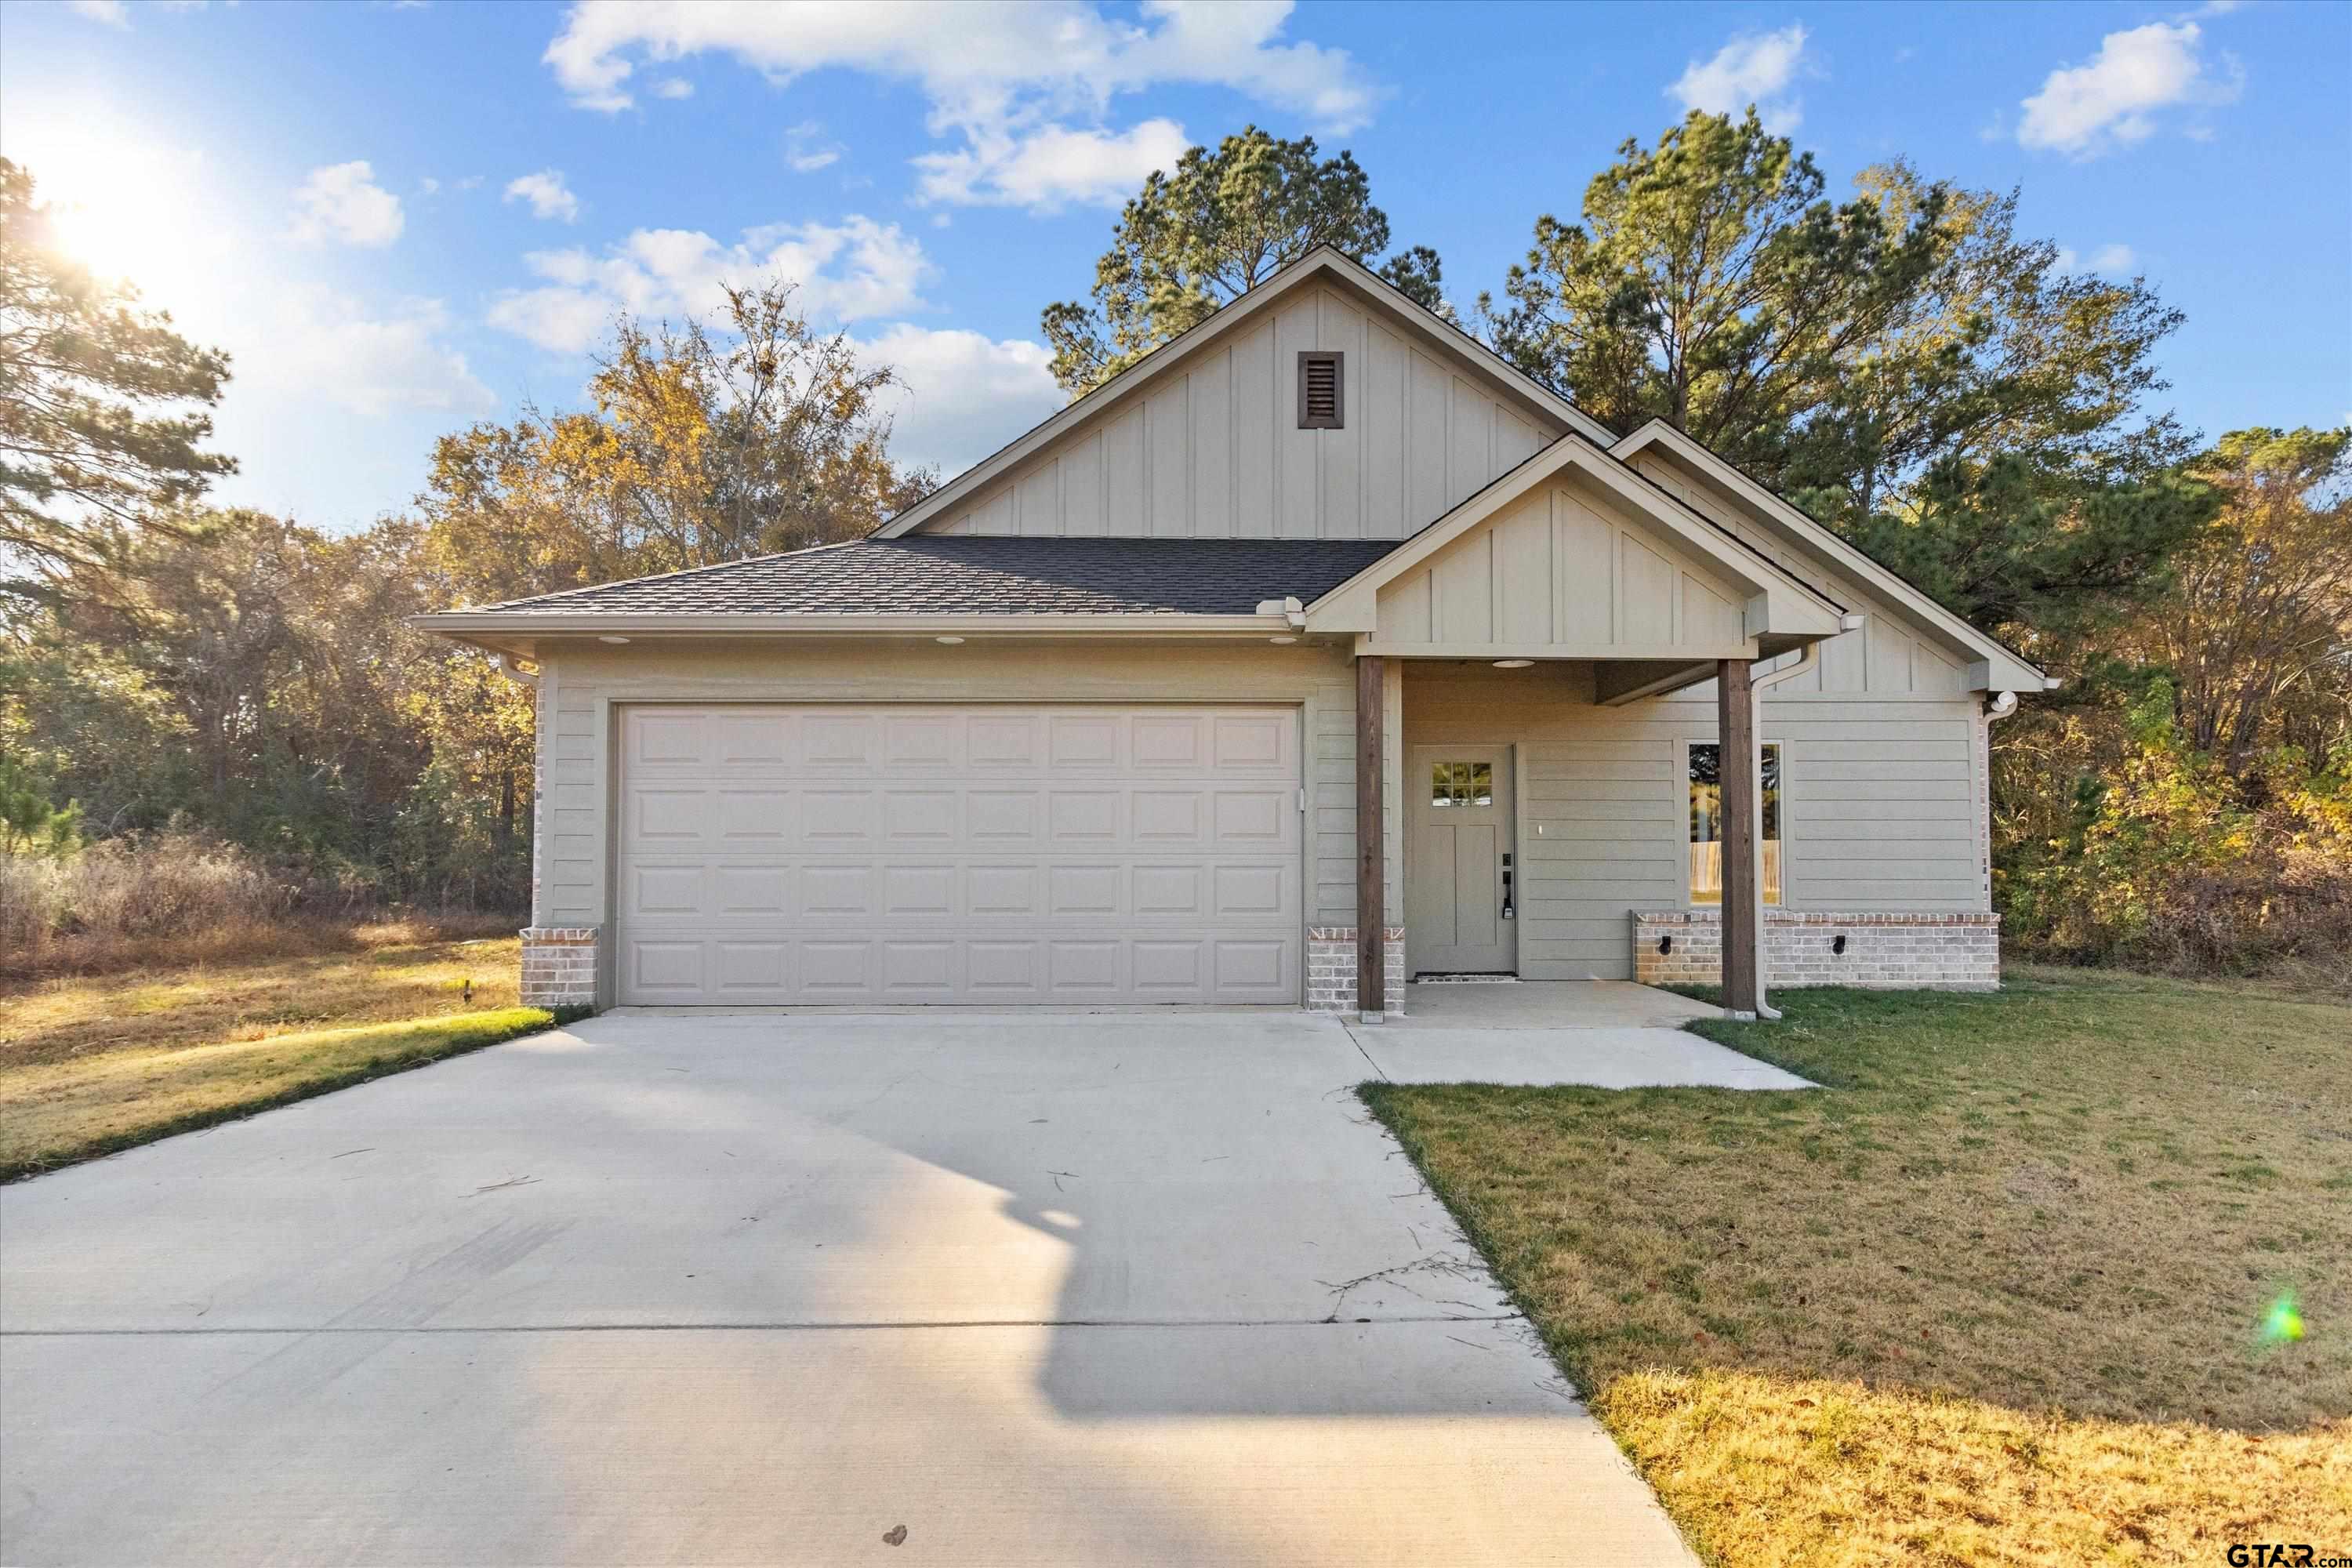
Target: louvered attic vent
(1321,381)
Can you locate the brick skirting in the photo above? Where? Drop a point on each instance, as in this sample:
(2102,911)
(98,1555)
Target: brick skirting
(1331,970)
(1883,950)
(559,967)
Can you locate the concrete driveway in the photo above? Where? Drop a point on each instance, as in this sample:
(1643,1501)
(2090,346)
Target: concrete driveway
(1041,1289)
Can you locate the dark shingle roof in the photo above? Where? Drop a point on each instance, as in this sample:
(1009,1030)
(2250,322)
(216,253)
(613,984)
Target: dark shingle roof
(966,576)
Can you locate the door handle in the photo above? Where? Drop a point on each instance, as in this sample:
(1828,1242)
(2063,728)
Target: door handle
(1508,913)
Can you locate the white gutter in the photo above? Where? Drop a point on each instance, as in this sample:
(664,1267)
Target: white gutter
(540,624)
(512,669)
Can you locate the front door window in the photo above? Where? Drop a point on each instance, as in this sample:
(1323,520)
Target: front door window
(1461,783)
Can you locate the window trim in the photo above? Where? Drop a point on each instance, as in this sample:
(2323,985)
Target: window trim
(1774,741)
(1337,358)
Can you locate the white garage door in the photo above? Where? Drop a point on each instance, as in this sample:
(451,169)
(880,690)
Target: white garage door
(977,854)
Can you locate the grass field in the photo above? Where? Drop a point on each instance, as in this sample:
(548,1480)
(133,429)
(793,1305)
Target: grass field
(91,1065)
(2021,1284)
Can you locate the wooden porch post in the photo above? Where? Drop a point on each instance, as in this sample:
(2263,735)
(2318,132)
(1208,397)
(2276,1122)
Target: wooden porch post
(1372,858)
(1743,954)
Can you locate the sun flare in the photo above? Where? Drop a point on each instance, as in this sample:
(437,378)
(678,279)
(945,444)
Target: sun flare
(128,211)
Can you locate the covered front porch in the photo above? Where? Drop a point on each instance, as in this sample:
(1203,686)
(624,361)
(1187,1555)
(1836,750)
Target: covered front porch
(1518,821)
(1530,672)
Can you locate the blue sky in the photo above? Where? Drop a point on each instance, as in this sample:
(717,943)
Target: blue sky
(403,217)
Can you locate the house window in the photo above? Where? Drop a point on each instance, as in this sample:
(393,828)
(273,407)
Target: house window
(1322,390)
(1707,822)
(1461,783)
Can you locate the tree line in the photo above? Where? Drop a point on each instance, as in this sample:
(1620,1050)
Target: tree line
(1899,360)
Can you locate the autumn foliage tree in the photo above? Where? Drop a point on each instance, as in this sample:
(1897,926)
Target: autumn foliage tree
(702,443)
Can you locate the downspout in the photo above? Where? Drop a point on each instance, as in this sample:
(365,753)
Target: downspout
(1810,659)
(2000,706)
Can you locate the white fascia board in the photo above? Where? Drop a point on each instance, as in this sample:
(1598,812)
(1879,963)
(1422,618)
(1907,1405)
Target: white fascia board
(1994,667)
(464,624)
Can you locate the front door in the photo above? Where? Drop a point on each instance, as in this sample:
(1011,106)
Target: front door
(1460,884)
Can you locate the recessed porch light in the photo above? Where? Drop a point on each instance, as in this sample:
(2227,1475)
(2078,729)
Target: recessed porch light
(1513,663)
(1282,642)
(948,642)
(614,641)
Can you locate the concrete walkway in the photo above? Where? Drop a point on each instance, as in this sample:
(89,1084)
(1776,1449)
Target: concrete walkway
(1610,1034)
(1059,1288)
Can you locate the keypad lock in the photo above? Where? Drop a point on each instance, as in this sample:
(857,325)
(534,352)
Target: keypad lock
(1507,911)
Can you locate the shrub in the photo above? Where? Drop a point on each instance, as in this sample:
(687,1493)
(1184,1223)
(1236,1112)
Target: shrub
(2176,865)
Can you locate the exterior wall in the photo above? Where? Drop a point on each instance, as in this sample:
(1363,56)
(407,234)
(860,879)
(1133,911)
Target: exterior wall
(1213,450)
(1559,568)
(581,683)
(1331,970)
(1959,953)
(1881,803)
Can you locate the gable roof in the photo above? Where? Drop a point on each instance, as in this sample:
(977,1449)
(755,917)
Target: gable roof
(1995,667)
(1791,608)
(964,574)
(1322,263)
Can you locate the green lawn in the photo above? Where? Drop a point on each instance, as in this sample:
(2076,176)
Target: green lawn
(2009,1290)
(91,1065)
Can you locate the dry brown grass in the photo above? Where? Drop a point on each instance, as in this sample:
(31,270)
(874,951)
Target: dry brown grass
(1766,1471)
(92,1064)
(1995,1296)
(173,900)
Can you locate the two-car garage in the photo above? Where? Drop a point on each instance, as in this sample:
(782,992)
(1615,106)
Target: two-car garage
(967,854)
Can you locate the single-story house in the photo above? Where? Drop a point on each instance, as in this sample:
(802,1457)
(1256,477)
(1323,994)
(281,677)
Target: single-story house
(1319,650)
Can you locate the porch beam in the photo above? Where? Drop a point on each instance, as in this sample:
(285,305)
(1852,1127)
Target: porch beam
(1372,858)
(1736,771)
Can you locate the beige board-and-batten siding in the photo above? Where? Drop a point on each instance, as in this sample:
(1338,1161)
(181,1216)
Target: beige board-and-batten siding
(1880,806)
(1563,567)
(582,684)
(1213,449)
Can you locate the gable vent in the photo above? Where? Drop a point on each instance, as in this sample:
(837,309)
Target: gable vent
(1322,380)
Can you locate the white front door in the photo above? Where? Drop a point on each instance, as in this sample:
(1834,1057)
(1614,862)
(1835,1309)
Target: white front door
(1461,887)
(975,855)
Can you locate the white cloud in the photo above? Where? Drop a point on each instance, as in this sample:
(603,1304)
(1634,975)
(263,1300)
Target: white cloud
(428,186)
(673,87)
(807,149)
(113,13)
(964,395)
(996,75)
(1051,167)
(2084,110)
(549,196)
(342,201)
(316,342)
(2108,260)
(852,272)
(1753,68)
